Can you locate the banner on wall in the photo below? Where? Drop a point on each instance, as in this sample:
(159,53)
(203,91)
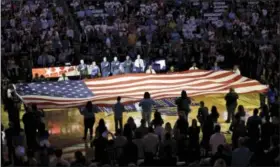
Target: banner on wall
(56,72)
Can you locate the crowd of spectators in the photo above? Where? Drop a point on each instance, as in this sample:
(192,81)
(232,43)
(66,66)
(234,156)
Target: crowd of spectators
(254,142)
(29,29)
(244,33)
(227,32)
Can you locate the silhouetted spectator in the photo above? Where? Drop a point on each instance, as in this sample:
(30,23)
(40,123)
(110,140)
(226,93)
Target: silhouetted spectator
(30,127)
(143,129)
(253,128)
(80,159)
(58,160)
(241,155)
(194,146)
(202,113)
(273,152)
(231,103)
(101,128)
(238,129)
(207,131)
(214,114)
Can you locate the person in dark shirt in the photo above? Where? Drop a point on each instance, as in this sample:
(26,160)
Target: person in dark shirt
(168,159)
(130,153)
(157,121)
(80,159)
(214,114)
(10,132)
(207,131)
(273,152)
(183,104)
(267,130)
(231,103)
(194,148)
(30,127)
(100,128)
(89,119)
(100,144)
(253,128)
(118,109)
(202,113)
(238,129)
(220,155)
(241,112)
(143,129)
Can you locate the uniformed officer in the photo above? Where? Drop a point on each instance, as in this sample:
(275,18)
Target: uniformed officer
(82,68)
(105,68)
(115,66)
(95,70)
(127,65)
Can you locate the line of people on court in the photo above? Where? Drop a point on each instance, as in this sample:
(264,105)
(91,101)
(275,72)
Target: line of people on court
(114,68)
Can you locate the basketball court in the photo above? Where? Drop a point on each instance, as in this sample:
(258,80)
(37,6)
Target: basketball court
(66,125)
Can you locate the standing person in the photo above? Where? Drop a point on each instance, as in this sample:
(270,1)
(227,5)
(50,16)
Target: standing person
(207,131)
(142,129)
(82,68)
(231,103)
(139,64)
(253,127)
(127,65)
(115,66)
(183,104)
(193,67)
(147,104)
(271,95)
(214,114)
(238,129)
(10,133)
(202,113)
(95,70)
(105,67)
(30,127)
(194,131)
(118,113)
(89,118)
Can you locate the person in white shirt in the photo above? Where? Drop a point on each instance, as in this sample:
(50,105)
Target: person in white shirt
(193,67)
(58,160)
(63,77)
(151,142)
(217,139)
(150,70)
(236,70)
(139,64)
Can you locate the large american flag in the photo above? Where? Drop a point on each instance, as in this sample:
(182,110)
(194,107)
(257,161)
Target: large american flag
(131,87)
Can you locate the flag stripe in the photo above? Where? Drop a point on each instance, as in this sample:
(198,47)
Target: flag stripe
(131,88)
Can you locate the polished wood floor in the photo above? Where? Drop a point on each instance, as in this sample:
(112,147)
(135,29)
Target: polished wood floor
(66,126)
